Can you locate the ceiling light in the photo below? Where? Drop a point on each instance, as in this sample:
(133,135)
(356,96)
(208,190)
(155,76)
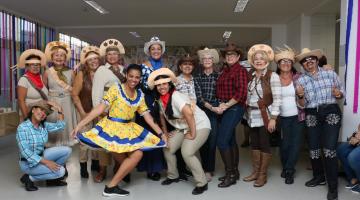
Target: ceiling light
(227,35)
(240,5)
(135,34)
(97,7)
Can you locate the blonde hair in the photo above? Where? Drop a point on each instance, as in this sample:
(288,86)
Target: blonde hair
(261,52)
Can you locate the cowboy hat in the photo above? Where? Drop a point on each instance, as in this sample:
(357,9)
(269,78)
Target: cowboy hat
(162,71)
(284,53)
(187,58)
(306,52)
(231,47)
(85,52)
(62,45)
(41,104)
(114,43)
(212,52)
(260,47)
(31,52)
(154,40)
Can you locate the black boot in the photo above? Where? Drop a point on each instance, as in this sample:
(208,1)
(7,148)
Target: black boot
(95,165)
(66,172)
(83,170)
(56,182)
(29,185)
(235,155)
(289,177)
(230,177)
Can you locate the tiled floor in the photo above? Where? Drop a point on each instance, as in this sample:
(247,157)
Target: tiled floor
(142,188)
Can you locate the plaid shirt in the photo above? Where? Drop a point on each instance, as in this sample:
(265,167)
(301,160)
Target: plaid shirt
(205,88)
(31,140)
(186,87)
(232,83)
(318,88)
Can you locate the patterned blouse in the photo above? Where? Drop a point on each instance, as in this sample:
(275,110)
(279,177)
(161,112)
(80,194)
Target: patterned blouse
(186,87)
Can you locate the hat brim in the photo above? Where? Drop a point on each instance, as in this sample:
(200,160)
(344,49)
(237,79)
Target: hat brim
(41,104)
(148,45)
(317,52)
(214,54)
(161,71)
(260,47)
(22,60)
(86,50)
(110,43)
(51,45)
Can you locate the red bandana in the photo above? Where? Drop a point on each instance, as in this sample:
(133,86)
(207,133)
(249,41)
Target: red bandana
(35,79)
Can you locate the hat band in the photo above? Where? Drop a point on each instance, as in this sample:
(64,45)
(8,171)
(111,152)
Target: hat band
(161,81)
(33,61)
(94,55)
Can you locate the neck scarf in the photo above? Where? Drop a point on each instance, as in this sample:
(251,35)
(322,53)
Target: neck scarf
(36,79)
(60,74)
(165,99)
(156,64)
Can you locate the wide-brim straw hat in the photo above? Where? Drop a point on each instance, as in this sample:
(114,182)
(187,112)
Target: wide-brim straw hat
(206,51)
(162,71)
(41,104)
(85,53)
(306,52)
(154,40)
(22,60)
(50,47)
(231,47)
(260,47)
(284,53)
(113,43)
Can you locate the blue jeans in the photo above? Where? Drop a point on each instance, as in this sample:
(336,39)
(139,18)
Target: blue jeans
(349,156)
(208,150)
(41,172)
(323,124)
(291,140)
(229,120)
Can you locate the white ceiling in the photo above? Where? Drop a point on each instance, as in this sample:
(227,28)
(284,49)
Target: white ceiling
(178,22)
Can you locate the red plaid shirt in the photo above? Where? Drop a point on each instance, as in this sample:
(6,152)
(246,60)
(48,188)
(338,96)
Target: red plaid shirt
(232,83)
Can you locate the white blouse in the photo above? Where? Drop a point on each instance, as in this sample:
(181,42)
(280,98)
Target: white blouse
(288,107)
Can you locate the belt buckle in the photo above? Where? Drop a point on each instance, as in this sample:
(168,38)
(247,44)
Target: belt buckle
(61,94)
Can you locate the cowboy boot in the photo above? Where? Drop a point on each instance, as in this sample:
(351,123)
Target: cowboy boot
(235,154)
(101,175)
(255,156)
(262,178)
(230,177)
(83,170)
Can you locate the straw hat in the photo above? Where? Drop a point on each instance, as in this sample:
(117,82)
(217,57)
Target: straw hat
(85,53)
(154,40)
(284,53)
(212,52)
(50,48)
(306,52)
(22,60)
(260,47)
(114,43)
(41,104)
(162,71)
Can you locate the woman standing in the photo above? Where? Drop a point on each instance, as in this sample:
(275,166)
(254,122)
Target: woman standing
(31,87)
(231,93)
(291,115)
(116,132)
(205,89)
(59,79)
(263,108)
(153,161)
(90,61)
(191,125)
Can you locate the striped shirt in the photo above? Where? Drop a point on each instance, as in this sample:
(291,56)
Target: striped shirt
(318,88)
(253,114)
(31,140)
(205,88)
(186,87)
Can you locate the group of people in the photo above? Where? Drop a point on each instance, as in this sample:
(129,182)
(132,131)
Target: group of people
(145,116)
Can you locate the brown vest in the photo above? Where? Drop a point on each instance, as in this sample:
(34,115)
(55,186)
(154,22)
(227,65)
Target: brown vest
(265,85)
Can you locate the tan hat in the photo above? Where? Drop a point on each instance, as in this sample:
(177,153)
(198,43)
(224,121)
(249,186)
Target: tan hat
(41,104)
(114,43)
(22,60)
(284,53)
(260,47)
(154,40)
(306,52)
(212,52)
(50,47)
(85,52)
(162,71)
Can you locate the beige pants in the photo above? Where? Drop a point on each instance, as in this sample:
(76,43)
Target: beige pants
(84,151)
(188,150)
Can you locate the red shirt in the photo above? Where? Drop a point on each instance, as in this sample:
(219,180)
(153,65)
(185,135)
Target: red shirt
(232,83)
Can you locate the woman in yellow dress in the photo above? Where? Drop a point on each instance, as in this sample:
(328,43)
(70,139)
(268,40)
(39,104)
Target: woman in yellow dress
(116,132)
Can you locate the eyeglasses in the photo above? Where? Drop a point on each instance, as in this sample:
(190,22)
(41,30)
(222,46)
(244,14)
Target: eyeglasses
(285,62)
(308,59)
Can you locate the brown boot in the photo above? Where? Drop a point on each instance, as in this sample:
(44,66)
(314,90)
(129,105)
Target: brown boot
(262,178)
(255,156)
(100,177)
(230,177)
